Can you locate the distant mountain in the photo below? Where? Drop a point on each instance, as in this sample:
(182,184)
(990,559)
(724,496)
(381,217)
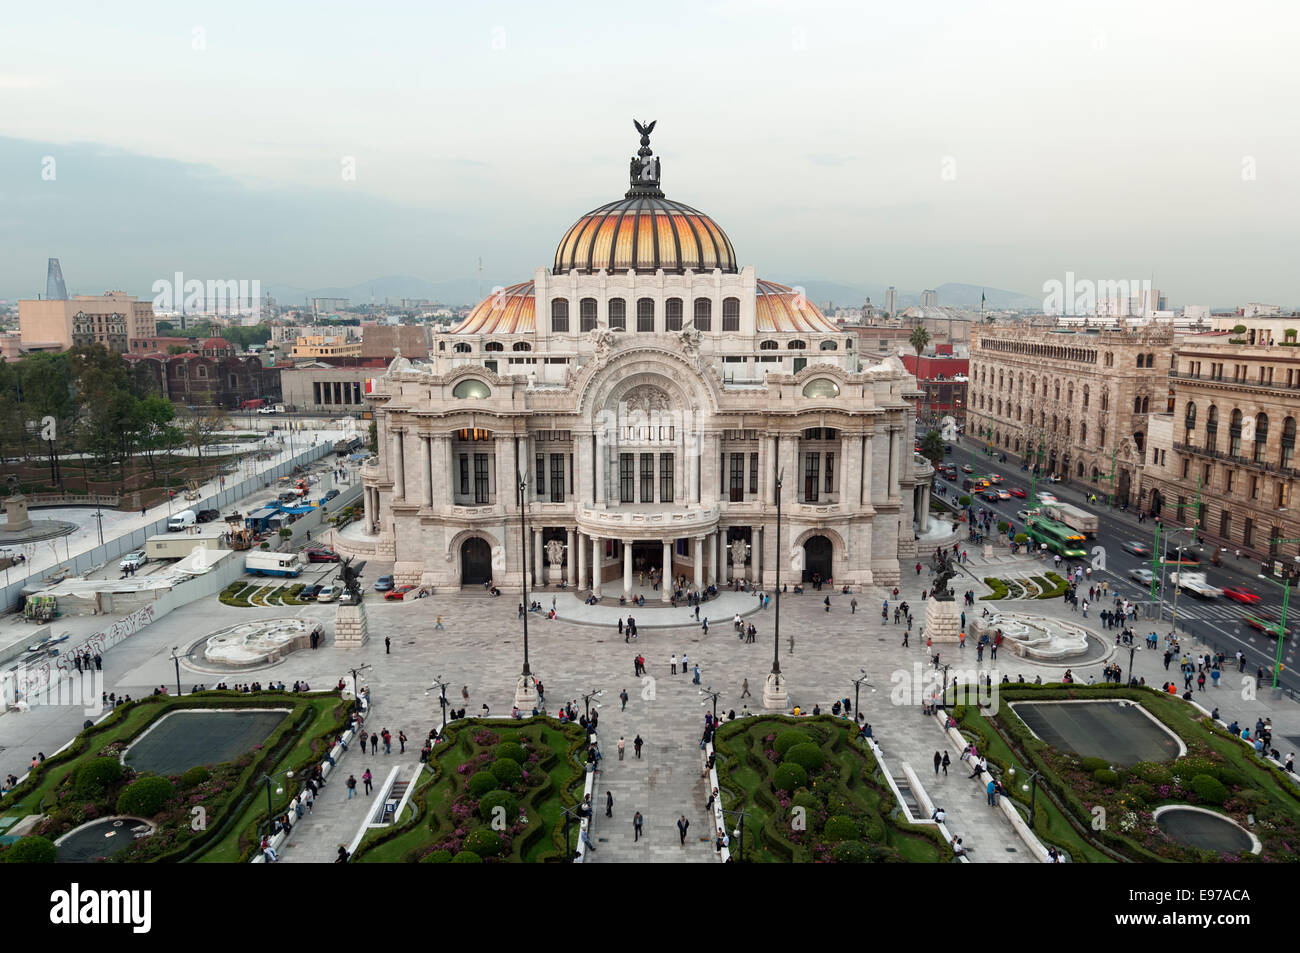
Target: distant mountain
(968,296)
(455,291)
(951,295)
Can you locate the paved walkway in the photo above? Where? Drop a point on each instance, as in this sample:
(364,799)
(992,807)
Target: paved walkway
(655,614)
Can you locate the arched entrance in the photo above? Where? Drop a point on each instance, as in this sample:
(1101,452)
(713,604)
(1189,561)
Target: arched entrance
(1157,502)
(1121,495)
(817,558)
(475,562)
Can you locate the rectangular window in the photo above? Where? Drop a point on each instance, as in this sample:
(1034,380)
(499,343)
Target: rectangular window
(1186,465)
(540,480)
(666,464)
(464,474)
(737,478)
(1206,472)
(830,472)
(730,314)
(811,485)
(1254,488)
(1225,525)
(557,478)
(570,474)
(626,479)
(481,482)
(647,478)
(587,314)
(1229,479)
(645,315)
(1283,494)
(1248,533)
(753,473)
(722,474)
(673,314)
(618,313)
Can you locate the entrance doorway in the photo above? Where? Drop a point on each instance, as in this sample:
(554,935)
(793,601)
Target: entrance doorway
(817,558)
(475,561)
(647,556)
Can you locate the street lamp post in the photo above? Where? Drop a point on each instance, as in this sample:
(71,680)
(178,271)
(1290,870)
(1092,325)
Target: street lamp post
(739,832)
(1132,650)
(270,806)
(525,686)
(857,687)
(176,658)
(568,821)
(775,696)
(1033,791)
(441,684)
(714,695)
(356,692)
(586,700)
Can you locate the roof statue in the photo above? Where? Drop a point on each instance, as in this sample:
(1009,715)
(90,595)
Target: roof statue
(644,171)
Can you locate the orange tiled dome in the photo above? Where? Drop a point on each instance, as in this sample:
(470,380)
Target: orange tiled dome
(780,308)
(508,311)
(644,233)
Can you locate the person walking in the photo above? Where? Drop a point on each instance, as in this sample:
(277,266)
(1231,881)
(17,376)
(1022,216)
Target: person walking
(621,745)
(637,823)
(352,785)
(438,623)
(685,663)
(401,740)
(388,741)
(388,646)
(622,696)
(673,664)
(636,745)
(992,790)
(609,803)
(464,694)
(374,744)
(368,780)
(853,607)
(683,825)
(946,761)
(938,760)
(744,689)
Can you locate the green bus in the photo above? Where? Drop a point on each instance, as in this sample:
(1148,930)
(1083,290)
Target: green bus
(1065,541)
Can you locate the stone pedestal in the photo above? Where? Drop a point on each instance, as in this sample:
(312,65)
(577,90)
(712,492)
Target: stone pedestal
(525,694)
(555,574)
(988,550)
(775,697)
(350,627)
(16,514)
(942,620)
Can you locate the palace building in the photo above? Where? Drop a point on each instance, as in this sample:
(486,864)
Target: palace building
(653,401)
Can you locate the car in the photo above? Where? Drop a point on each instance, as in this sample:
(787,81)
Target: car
(1141,575)
(947,448)
(1004,495)
(967,468)
(322,555)
(350,598)
(384,584)
(310,592)
(329,593)
(1018,492)
(1045,497)
(330,495)
(1182,557)
(995,478)
(267,410)
(1136,548)
(966,484)
(1238,594)
(400,592)
(1263,621)
(1023,515)
(207,516)
(991,495)
(133,561)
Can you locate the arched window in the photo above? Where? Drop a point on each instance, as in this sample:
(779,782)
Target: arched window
(461,348)
(768,346)
(645,315)
(1151,360)
(1288,441)
(1189,420)
(471,389)
(1146,405)
(559,315)
(673,314)
(1085,396)
(1234,434)
(828,346)
(731,314)
(1261,436)
(521,346)
(1137,405)
(617,314)
(1211,427)
(587,314)
(494,346)
(1083,433)
(1079,471)
(796,345)
(1142,362)
(1105,400)
(1139,440)
(1069,393)
(703,314)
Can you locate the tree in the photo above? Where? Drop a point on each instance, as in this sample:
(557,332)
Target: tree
(47,406)
(157,431)
(199,428)
(919,338)
(932,447)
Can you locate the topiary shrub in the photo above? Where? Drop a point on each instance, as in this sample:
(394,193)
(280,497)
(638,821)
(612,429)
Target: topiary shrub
(1208,789)
(439,857)
(808,756)
(195,776)
(507,771)
(1021,538)
(841,827)
(145,796)
(95,777)
(850,852)
(964,501)
(1094,764)
(873,830)
(788,738)
(1229,775)
(467,857)
(484,842)
(502,799)
(1003,526)
(31,850)
(806,800)
(481,782)
(1106,776)
(514,752)
(790,777)
(1251,799)
(1151,772)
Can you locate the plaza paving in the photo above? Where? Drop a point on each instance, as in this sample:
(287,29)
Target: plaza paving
(481,648)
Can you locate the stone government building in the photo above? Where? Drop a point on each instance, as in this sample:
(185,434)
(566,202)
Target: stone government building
(651,390)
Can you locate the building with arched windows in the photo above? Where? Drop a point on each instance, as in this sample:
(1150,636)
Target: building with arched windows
(651,391)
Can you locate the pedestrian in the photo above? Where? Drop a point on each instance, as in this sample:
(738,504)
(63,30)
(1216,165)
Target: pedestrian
(621,745)
(673,664)
(388,646)
(744,689)
(938,760)
(464,693)
(401,740)
(388,741)
(685,662)
(636,745)
(683,825)
(992,790)
(352,785)
(637,823)
(609,803)
(438,623)
(622,696)
(374,744)
(368,779)
(946,761)
(853,607)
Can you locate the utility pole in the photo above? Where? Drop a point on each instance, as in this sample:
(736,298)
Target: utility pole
(1281,626)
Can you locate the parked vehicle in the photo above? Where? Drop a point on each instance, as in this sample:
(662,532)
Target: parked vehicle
(311,592)
(384,584)
(329,593)
(400,592)
(273,564)
(207,516)
(252,404)
(181,520)
(133,561)
(322,555)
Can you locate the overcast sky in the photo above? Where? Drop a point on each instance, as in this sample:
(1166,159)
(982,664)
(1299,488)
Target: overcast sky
(908,144)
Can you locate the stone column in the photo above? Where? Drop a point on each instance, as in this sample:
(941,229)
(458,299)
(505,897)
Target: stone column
(370,510)
(756,555)
(539,563)
(627,567)
(850,479)
(596,561)
(867,469)
(426,471)
(765,469)
(895,447)
(582,460)
(709,475)
(602,453)
(450,475)
(569,563)
(582,560)
(698,550)
(923,516)
(399,467)
(719,557)
(665,583)
(693,468)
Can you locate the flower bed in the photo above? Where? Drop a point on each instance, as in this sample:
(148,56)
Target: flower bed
(812,793)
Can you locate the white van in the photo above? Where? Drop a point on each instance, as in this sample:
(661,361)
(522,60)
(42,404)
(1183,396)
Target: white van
(181,520)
